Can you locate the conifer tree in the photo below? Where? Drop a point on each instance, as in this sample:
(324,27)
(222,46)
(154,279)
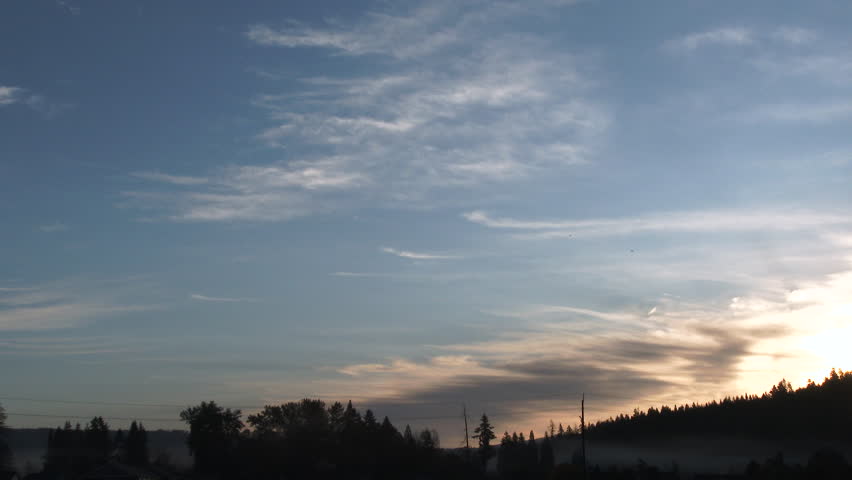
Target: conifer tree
(484,433)
(408,437)
(546,457)
(5,451)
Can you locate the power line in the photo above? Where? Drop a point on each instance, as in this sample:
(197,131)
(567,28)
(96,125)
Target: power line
(152,419)
(86,402)
(81,417)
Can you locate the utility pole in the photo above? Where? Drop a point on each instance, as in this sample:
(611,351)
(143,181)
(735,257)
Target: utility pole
(466,433)
(583,433)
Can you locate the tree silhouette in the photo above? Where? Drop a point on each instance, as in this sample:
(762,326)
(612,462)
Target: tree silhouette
(814,412)
(5,451)
(546,457)
(408,437)
(98,444)
(484,433)
(213,431)
(428,440)
(136,445)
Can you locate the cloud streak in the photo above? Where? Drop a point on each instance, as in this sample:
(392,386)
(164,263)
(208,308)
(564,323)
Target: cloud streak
(172,179)
(11,95)
(205,298)
(703,221)
(416,255)
(63,305)
(725,36)
(53,227)
(417,132)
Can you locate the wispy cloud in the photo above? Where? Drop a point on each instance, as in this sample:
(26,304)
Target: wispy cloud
(795,35)
(67,346)
(11,95)
(804,112)
(575,312)
(250,192)
(53,227)
(416,255)
(823,66)
(411,34)
(205,298)
(17,95)
(737,36)
(419,130)
(173,179)
(707,221)
(68,7)
(64,304)
(725,36)
(354,274)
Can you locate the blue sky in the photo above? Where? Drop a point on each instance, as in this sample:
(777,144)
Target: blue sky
(416,205)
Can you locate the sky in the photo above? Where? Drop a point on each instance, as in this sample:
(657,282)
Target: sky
(420,205)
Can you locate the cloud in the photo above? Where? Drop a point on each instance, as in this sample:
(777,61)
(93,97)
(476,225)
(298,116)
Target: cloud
(204,298)
(172,179)
(822,65)
(68,7)
(11,95)
(249,192)
(64,304)
(526,376)
(67,346)
(39,103)
(355,274)
(663,349)
(422,31)
(790,36)
(726,36)
(702,221)
(795,35)
(416,255)
(805,112)
(53,227)
(551,310)
(418,131)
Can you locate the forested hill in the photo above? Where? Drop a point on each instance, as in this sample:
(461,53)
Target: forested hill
(816,411)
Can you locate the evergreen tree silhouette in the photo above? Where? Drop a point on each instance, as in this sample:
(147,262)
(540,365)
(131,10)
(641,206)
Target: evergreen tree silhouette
(546,457)
(484,433)
(335,416)
(137,445)
(97,441)
(213,431)
(5,451)
(408,437)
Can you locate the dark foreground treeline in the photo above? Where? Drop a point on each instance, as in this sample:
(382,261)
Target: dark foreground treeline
(814,412)
(310,439)
(75,451)
(305,439)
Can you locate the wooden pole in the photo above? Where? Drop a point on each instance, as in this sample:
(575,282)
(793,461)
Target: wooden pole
(466,433)
(583,433)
